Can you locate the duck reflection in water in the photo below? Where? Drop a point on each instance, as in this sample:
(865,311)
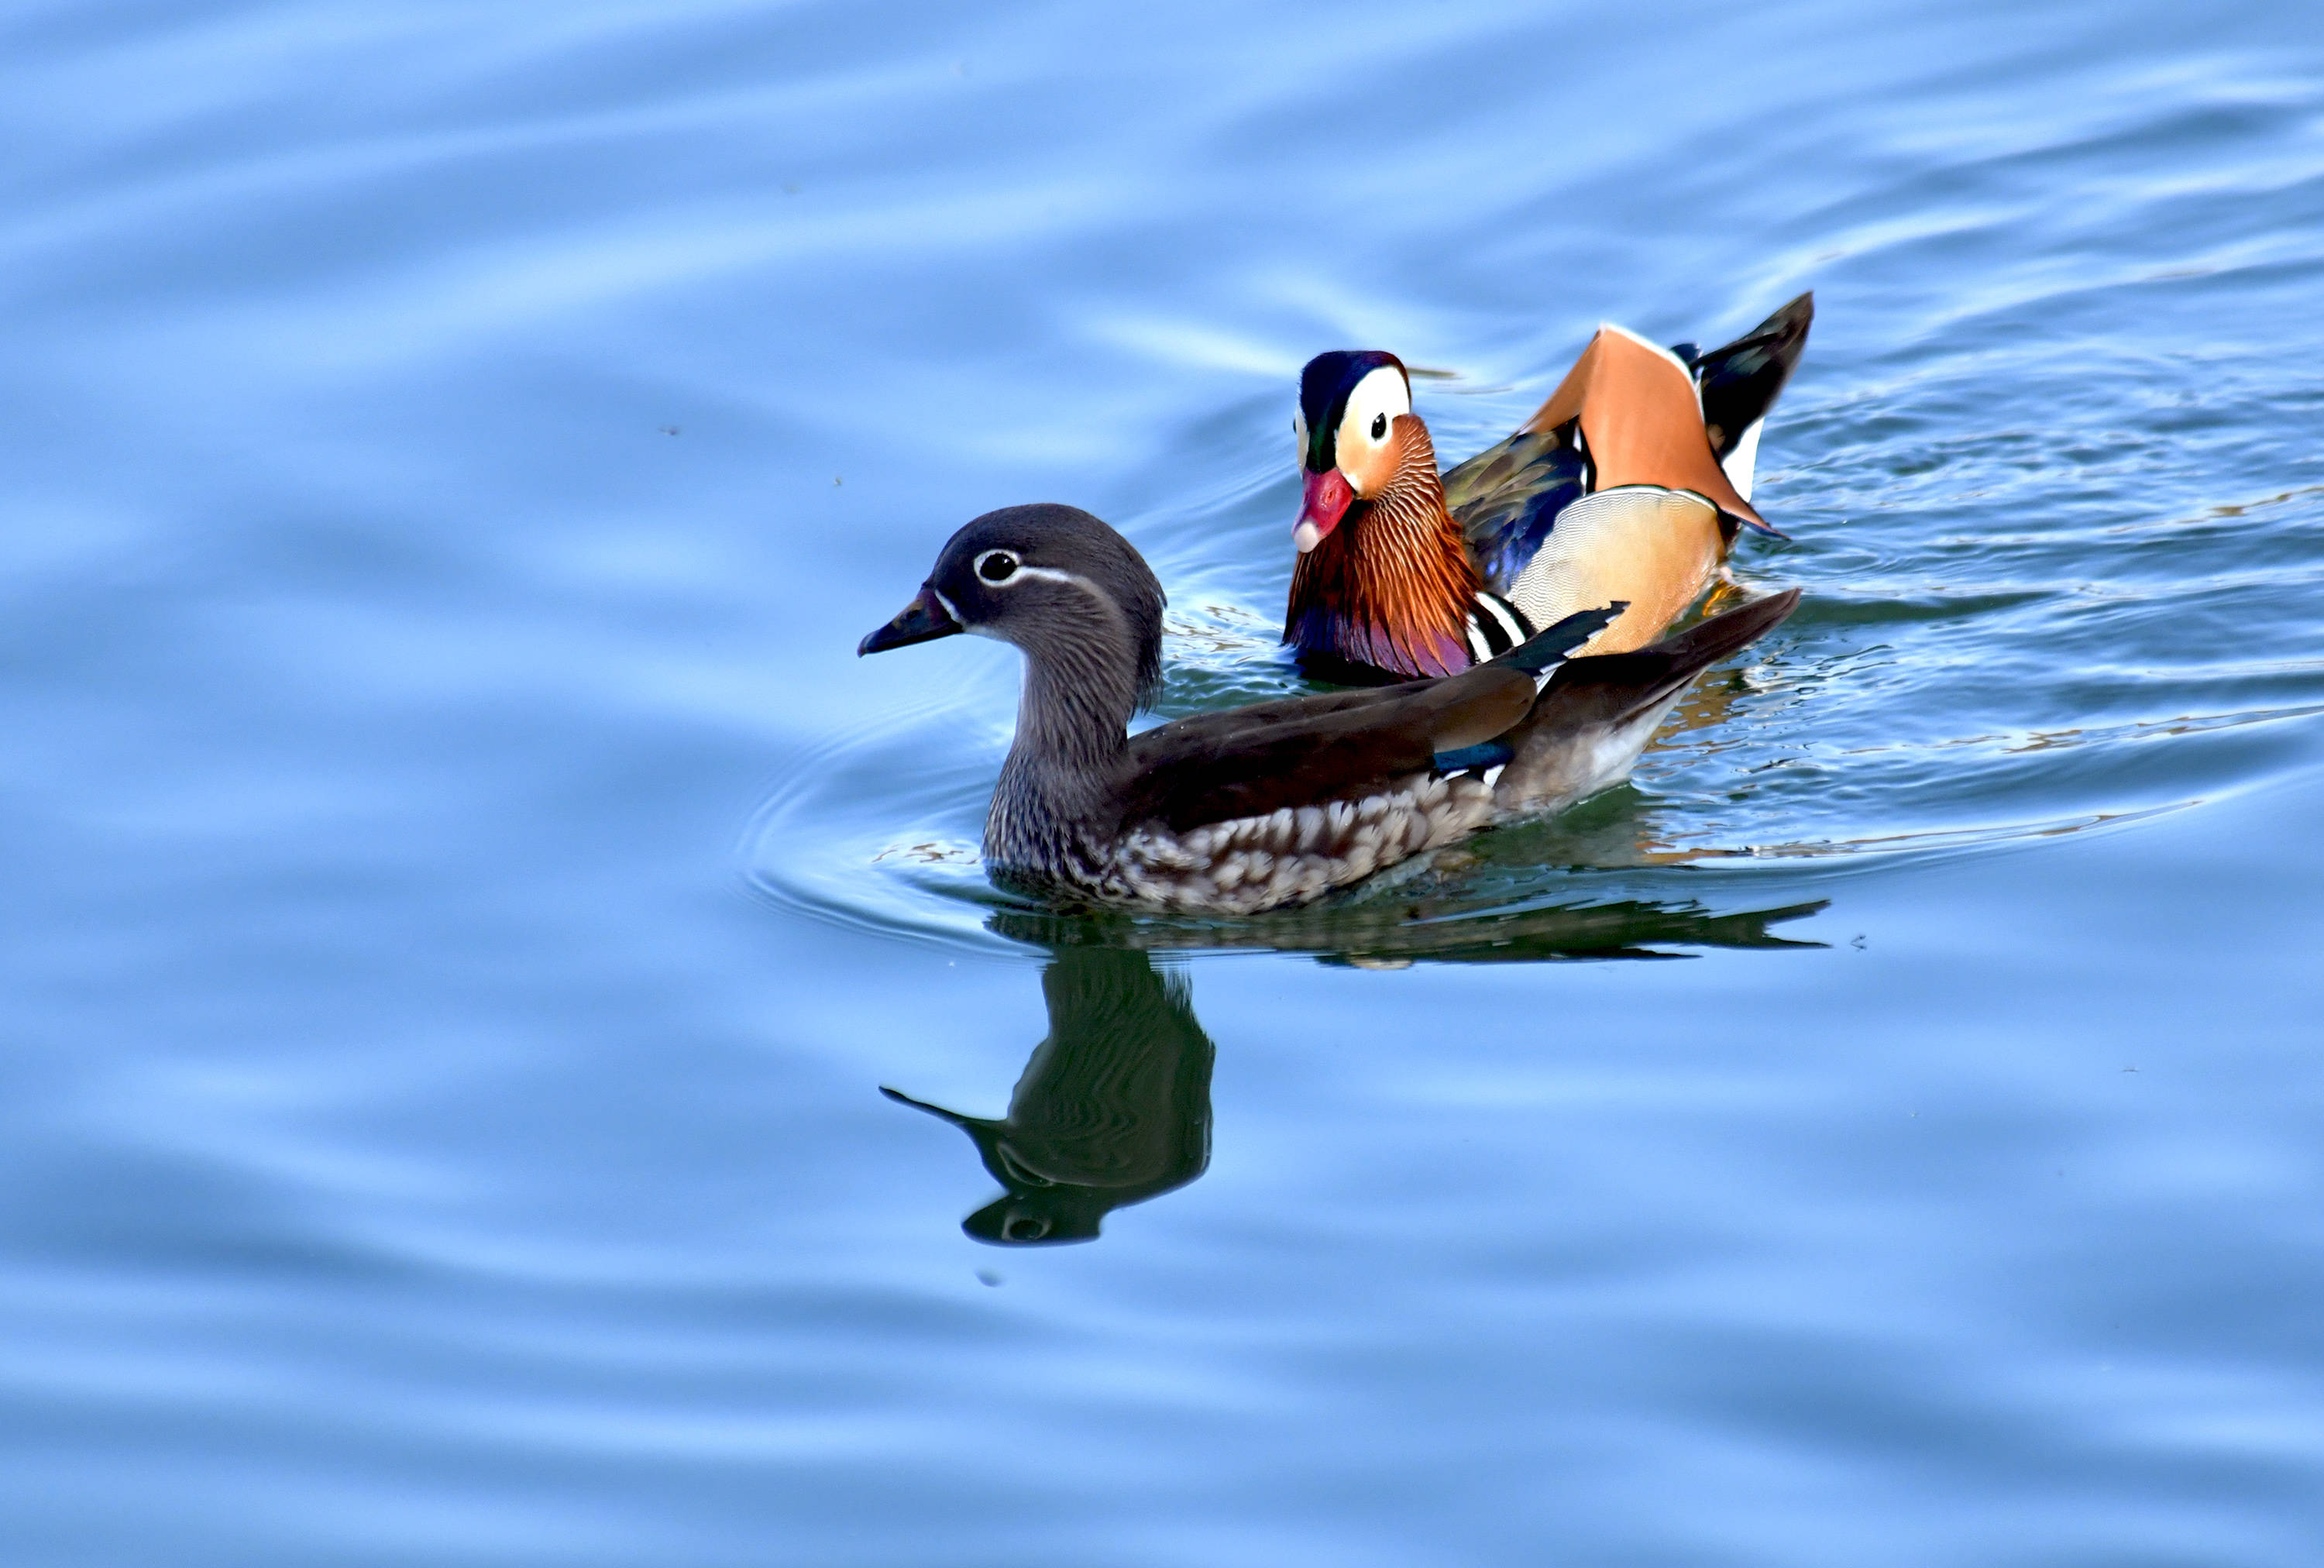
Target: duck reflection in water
(1114,1107)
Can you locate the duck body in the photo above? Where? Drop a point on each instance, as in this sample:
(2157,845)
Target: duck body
(1280,803)
(1628,484)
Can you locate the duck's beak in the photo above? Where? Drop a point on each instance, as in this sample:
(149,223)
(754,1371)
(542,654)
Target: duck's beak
(923,620)
(1321,503)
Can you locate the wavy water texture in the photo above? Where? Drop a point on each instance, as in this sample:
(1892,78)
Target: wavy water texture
(464,897)
(2030,606)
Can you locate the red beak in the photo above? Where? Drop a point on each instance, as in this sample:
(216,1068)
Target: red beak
(1325,501)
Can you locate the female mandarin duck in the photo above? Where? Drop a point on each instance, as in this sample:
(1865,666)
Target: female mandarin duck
(1233,813)
(1113,1109)
(1628,484)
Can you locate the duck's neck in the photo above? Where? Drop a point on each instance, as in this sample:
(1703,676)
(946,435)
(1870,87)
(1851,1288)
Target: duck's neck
(1059,790)
(1392,585)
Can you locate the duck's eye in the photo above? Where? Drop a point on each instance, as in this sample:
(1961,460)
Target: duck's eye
(996,565)
(1374,405)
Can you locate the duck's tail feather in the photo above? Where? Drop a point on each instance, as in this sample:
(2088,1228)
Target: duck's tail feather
(1597,713)
(1620,686)
(1740,381)
(1553,644)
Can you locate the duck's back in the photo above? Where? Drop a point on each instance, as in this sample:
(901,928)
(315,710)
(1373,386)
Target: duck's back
(1507,498)
(1613,490)
(1558,516)
(1238,811)
(1544,540)
(1308,751)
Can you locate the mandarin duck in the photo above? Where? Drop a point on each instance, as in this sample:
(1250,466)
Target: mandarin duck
(1628,484)
(1280,803)
(1114,1108)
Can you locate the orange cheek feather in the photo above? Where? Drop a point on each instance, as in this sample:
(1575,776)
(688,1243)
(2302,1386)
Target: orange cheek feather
(1369,468)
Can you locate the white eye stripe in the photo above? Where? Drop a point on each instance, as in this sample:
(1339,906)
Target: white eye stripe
(1044,574)
(1375,404)
(1018,571)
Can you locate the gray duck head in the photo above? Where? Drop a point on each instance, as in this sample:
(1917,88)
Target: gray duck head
(1060,585)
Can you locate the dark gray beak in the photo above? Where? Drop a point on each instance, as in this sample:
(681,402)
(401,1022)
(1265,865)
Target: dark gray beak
(923,620)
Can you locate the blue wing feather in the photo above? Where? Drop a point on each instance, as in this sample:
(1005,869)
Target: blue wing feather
(1487,754)
(1506,499)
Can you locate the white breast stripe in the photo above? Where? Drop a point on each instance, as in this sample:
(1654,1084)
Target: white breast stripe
(1506,613)
(1493,627)
(1493,622)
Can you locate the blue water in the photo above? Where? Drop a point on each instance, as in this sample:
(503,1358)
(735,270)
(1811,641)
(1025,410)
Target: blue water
(464,897)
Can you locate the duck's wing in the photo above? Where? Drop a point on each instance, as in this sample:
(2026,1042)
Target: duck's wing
(1309,750)
(1313,750)
(1597,712)
(1640,421)
(1628,413)
(1615,687)
(1740,381)
(1507,497)
(1312,704)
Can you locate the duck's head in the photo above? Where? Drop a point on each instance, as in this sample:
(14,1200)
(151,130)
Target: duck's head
(1352,405)
(1053,580)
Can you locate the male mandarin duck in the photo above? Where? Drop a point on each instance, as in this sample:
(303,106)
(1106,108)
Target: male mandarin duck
(1233,813)
(1629,483)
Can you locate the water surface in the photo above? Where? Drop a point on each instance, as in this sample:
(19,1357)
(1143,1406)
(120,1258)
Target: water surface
(467,898)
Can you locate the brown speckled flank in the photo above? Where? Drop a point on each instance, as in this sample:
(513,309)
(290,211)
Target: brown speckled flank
(1293,854)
